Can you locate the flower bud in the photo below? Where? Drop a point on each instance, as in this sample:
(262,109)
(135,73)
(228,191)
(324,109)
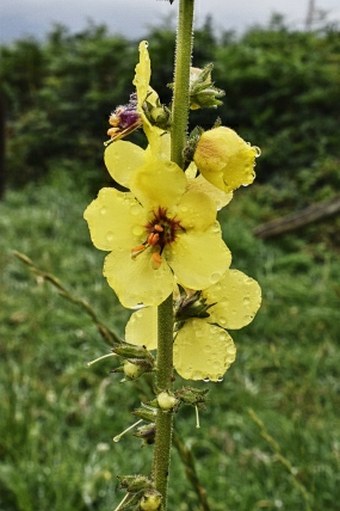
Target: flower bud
(166,401)
(203,93)
(151,501)
(135,483)
(225,159)
(132,371)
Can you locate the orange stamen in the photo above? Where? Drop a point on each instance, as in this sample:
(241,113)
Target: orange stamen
(137,250)
(158,228)
(153,238)
(112,131)
(114,120)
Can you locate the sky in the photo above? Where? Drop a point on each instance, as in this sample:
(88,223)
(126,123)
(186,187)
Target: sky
(131,18)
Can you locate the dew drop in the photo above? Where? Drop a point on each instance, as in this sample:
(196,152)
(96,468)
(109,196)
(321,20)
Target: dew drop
(134,209)
(206,380)
(103,210)
(257,151)
(216,228)
(219,379)
(137,230)
(215,277)
(109,236)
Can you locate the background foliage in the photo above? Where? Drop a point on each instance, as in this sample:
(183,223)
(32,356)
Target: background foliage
(57,416)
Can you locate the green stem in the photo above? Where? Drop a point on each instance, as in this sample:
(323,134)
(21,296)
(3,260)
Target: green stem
(181,96)
(164,383)
(180,116)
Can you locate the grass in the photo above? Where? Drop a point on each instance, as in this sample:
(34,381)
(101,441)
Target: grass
(269,436)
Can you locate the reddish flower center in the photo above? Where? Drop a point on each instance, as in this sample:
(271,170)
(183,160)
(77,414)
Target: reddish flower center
(161,231)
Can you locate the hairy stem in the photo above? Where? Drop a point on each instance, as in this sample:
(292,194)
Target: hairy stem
(163,383)
(180,115)
(181,98)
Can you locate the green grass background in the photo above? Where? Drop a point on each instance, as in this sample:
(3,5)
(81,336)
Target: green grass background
(58,416)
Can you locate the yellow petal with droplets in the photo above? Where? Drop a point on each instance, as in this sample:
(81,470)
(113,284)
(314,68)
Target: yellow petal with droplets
(196,210)
(135,280)
(142,73)
(220,197)
(115,219)
(122,158)
(203,351)
(141,329)
(237,297)
(159,141)
(158,183)
(199,258)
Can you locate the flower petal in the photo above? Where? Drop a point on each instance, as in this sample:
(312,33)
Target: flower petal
(158,183)
(203,351)
(141,329)
(196,210)
(220,197)
(135,280)
(142,74)
(199,258)
(122,159)
(237,297)
(115,219)
(159,141)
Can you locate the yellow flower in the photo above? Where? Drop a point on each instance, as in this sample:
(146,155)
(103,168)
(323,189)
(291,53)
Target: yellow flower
(225,159)
(203,349)
(160,231)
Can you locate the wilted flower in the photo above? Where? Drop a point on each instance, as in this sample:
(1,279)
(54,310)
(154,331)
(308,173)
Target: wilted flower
(124,119)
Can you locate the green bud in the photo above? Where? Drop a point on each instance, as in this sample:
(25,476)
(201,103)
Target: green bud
(160,116)
(203,93)
(192,396)
(135,483)
(146,413)
(192,306)
(131,351)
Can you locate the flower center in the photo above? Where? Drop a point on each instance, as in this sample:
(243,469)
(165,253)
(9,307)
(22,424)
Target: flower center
(161,230)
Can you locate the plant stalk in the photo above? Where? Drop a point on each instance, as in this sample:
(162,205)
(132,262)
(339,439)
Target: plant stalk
(164,369)
(181,95)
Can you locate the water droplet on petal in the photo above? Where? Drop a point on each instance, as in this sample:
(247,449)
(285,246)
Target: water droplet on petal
(103,210)
(109,236)
(137,230)
(135,209)
(206,380)
(215,277)
(257,151)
